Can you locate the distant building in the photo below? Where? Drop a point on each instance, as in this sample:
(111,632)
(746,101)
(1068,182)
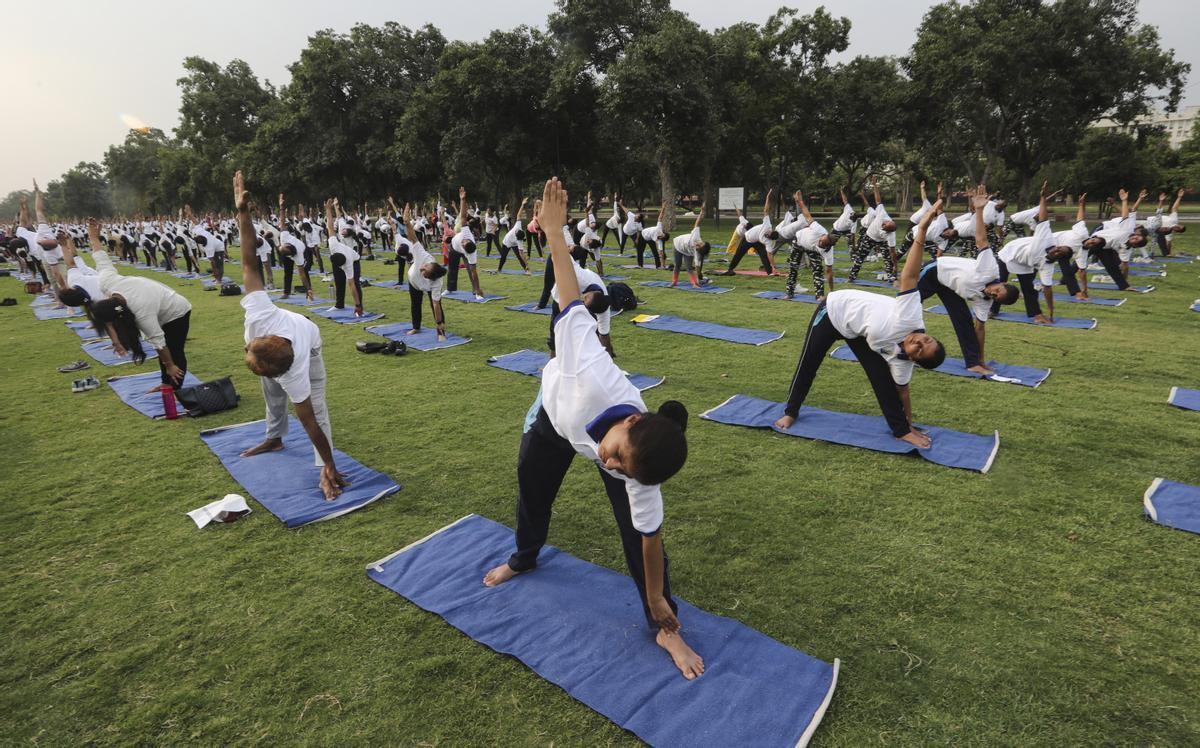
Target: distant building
(1177,125)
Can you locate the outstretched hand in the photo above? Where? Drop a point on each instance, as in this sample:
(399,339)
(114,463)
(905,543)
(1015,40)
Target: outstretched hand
(241,198)
(980,198)
(553,213)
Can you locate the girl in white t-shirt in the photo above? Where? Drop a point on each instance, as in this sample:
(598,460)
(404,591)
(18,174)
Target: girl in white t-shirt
(588,407)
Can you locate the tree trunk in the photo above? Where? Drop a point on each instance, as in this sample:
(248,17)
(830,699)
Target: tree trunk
(668,194)
(710,197)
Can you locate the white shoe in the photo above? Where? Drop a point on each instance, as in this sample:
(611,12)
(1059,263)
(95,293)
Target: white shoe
(478,297)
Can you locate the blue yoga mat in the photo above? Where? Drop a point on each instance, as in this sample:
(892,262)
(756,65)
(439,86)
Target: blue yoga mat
(1181,397)
(1196,305)
(1027,376)
(865,282)
(396,285)
(1144,272)
(530,363)
(83,329)
(686,286)
(1069,323)
(187,276)
(803,298)
(1096,300)
(517,271)
(132,391)
(301,300)
(469,297)
(44,300)
(425,340)
(610,278)
(580,627)
(209,282)
(712,330)
(1173,504)
(102,351)
(950,448)
(345,316)
(46,312)
(1115,287)
(287,482)
(530,307)
(1174,258)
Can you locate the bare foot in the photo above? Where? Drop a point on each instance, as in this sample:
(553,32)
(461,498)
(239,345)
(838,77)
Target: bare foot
(784,422)
(499,575)
(1041,320)
(918,440)
(686,659)
(269,445)
(981,369)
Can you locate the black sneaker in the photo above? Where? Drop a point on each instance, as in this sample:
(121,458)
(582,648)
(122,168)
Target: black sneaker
(74,366)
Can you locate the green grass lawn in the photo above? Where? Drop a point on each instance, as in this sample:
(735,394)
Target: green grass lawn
(1033,605)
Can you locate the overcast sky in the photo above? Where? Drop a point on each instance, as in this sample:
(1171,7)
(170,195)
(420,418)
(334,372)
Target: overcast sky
(76,66)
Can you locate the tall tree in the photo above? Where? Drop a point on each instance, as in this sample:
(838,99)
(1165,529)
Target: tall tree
(859,109)
(1018,81)
(82,191)
(602,32)
(333,126)
(218,116)
(661,83)
(485,119)
(133,170)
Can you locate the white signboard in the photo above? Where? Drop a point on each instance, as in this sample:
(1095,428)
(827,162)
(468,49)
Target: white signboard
(729,198)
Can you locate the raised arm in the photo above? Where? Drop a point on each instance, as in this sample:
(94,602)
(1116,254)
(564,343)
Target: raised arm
(1043,213)
(330,224)
(251,280)
(461,218)
(1081,211)
(1124,195)
(551,219)
(912,263)
(23,213)
(767,202)
(803,207)
(875,191)
(979,200)
(1141,196)
(924,197)
(699,216)
(1178,200)
(39,205)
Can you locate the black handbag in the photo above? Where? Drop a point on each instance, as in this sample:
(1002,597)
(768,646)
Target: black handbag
(208,397)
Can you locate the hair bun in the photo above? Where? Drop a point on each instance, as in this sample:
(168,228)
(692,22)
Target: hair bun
(676,411)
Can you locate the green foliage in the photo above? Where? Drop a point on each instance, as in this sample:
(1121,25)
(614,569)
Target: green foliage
(82,191)
(1019,82)
(1108,161)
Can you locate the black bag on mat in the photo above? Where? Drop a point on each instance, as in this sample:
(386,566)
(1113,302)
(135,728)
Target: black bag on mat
(208,397)
(621,297)
(231,289)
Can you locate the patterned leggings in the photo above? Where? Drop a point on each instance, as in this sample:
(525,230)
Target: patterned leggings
(866,246)
(815,262)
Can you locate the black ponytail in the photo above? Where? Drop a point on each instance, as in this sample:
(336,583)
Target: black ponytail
(659,444)
(119,315)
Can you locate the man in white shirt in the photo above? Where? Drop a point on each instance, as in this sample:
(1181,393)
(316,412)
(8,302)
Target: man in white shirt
(614,223)
(1029,257)
(970,290)
(1170,226)
(879,239)
(284,349)
(214,249)
(652,237)
(43,247)
(811,242)
(935,245)
(463,250)
(1111,242)
(887,336)
(690,253)
(424,279)
(345,261)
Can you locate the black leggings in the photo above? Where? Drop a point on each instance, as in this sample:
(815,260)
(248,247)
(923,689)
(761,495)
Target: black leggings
(175,332)
(745,246)
(533,240)
(504,257)
(961,317)
(339,283)
(820,338)
(547,283)
(493,239)
(542,463)
(401,259)
(1025,280)
(1112,265)
(415,298)
(642,245)
(218,265)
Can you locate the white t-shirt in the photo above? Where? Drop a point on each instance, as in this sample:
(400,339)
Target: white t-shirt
(964,225)
(589,281)
(883,321)
(788,230)
(808,239)
(418,281)
(875,230)
(264,318)
(152,303)
(845,222)
(464,235)
(632,226)
(86,278)
(339,247)
(968,278)
(212,243)
(1027,217)
(654,233)
(1028,254)
(30,237)
(510,238)
(688,244)
(580,384)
